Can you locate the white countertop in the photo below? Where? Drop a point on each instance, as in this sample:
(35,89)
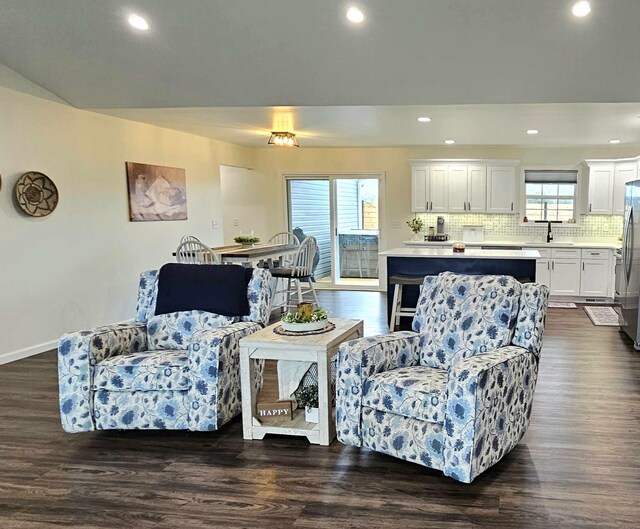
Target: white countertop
(527,244)
(469,253)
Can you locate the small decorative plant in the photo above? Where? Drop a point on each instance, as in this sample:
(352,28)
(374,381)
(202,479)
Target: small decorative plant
(306,314)
(416,225)
(247,239)
(307,397)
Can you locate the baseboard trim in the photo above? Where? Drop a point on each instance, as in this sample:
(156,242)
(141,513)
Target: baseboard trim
(12,356)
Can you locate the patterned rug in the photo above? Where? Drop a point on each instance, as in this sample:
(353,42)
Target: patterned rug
(562,305)
(603,316)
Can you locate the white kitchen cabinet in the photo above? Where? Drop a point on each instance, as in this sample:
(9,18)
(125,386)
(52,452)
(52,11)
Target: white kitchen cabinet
(428,189)
(437,191)
(565,277)
(477,188)
(457,188)
(501,189)
(623,172)
(600,194)
(543,272)
(595,277)
(419,184)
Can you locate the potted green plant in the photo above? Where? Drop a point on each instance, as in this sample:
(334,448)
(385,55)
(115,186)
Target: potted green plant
(307,397)
(247,240)
(415,225)
(305,319)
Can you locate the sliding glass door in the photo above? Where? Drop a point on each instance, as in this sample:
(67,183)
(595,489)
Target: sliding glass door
(342,213)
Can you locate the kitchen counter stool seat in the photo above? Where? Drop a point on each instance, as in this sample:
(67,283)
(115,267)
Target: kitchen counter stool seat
(398,311)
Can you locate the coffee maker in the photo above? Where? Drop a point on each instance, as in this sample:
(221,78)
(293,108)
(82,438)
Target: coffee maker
(440,234)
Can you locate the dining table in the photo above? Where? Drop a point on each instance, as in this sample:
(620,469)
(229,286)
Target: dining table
(255,255)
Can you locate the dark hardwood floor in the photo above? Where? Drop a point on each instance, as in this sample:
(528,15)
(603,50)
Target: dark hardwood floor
(578,466)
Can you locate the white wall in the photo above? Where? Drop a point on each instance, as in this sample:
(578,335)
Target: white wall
(78,267)
(245,198)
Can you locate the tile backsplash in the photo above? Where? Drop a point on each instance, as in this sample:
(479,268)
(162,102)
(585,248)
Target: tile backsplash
(506,226)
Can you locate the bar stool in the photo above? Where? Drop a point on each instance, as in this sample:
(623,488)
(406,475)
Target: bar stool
(397,310)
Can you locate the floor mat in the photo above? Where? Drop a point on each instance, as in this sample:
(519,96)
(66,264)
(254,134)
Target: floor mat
(603,316)
(562,305)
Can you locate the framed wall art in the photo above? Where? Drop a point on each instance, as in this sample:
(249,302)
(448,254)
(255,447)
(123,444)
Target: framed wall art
(156,192)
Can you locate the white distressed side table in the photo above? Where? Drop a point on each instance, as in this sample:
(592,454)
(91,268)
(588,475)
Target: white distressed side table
(318,348)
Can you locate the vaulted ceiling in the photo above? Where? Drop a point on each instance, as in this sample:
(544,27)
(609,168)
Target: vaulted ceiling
(304,53)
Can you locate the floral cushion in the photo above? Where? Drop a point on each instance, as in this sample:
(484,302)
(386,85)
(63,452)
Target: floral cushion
(409,439)
(417,392)
(173,331)
(146,371)
(468,315)
(141,410)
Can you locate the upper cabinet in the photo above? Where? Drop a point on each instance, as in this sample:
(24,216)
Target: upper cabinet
(600,194)
(623,172)
(477,188)
(460,187)
(428,189)
(501,189)
(607,179)
(419,183)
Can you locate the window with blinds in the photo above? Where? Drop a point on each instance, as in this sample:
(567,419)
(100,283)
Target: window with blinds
(550,194)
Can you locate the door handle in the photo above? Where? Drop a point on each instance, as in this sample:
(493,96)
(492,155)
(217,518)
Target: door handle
(548,265)
(511,206)
(553,265)
(583,266)
(589,208)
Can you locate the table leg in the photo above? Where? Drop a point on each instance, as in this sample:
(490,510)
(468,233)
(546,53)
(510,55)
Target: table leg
(247,374)
(326,425)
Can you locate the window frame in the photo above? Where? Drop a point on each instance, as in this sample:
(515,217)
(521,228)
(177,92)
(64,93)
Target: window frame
(577,197)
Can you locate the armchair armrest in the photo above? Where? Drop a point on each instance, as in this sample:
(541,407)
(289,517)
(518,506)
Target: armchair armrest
(214,368)
(488,409)
(78,352)
(360,359)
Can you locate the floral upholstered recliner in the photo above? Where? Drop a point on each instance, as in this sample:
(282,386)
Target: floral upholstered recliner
(178,371)
(455,394)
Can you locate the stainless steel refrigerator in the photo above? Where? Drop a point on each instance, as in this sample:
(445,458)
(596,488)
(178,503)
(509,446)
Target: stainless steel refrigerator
(630,295)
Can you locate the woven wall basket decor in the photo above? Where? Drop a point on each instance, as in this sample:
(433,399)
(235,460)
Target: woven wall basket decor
(36,194)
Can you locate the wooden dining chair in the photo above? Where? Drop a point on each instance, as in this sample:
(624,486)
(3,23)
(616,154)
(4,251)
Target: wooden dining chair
(196,252)
(300,270)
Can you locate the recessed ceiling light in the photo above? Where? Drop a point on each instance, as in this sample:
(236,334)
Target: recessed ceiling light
(138,22)
(424,119)
(615,140)
(581,9)
(533,132)
(449,142)
(355,15)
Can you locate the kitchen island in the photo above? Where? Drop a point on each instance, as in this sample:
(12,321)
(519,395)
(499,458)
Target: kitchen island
(430,261)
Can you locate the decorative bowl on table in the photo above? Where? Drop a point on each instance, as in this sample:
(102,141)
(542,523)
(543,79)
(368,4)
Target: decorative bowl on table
(247,240)
(305,319)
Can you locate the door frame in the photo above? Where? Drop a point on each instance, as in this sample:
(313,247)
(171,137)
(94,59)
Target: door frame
(332,176)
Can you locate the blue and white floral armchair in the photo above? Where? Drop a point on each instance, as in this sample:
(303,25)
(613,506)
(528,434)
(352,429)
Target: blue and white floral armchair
(178,371)
(456,393)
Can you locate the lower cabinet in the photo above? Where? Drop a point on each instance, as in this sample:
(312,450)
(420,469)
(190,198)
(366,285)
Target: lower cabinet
(574,272)
(594,279)
(543,272)
(562,276)
(565,277)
